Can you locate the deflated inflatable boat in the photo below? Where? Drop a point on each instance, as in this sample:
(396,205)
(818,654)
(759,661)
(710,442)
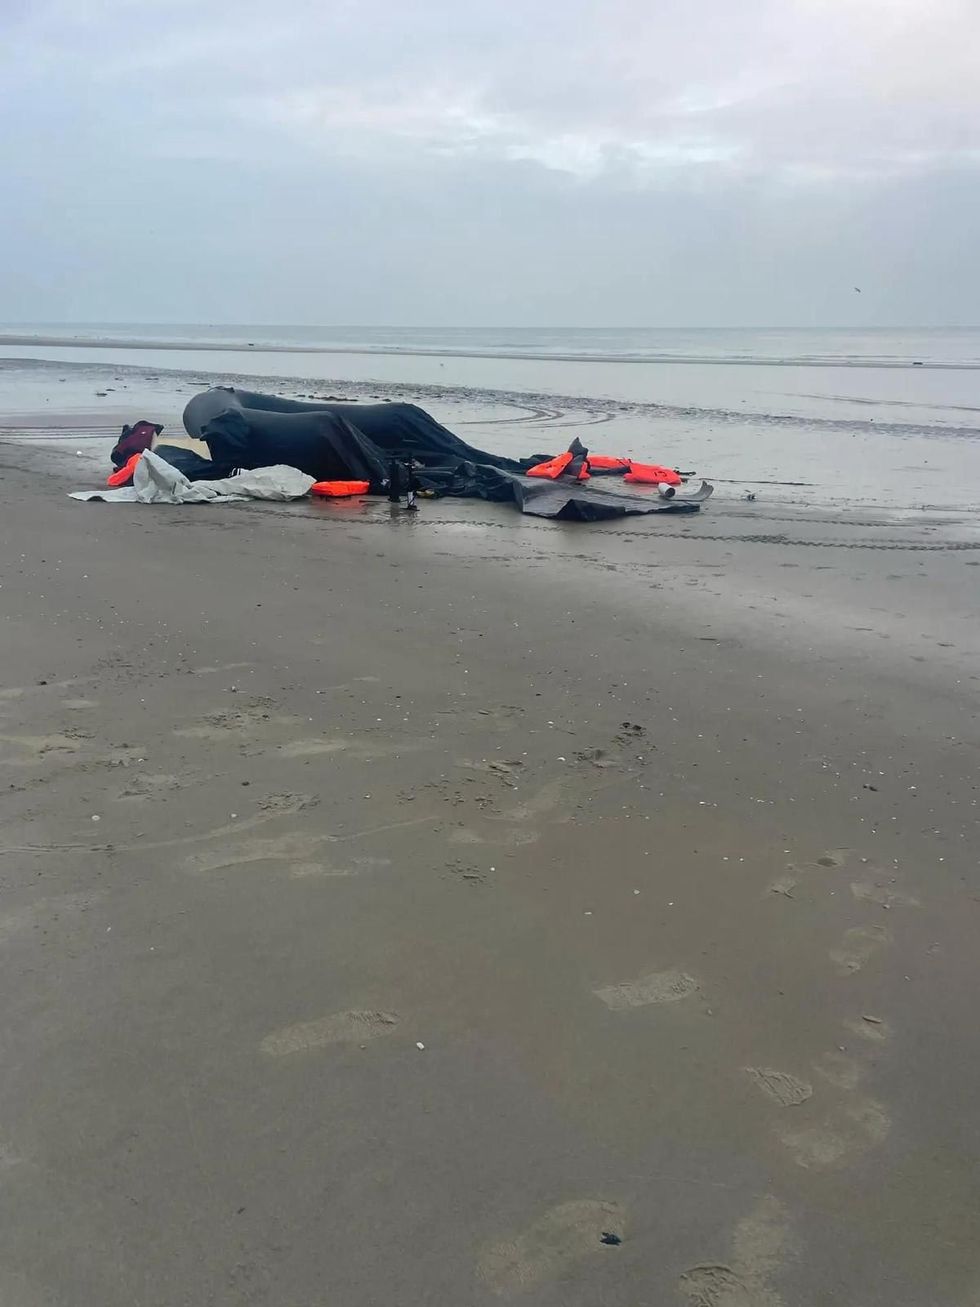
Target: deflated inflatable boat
(382,448)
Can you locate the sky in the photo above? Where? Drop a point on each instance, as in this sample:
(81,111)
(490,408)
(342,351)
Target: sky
(491,162)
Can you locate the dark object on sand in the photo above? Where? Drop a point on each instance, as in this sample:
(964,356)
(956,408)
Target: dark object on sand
(612,1239)
(360,442)
(133,440)
(240,423)
(402,481)
(193,466)
(246,430)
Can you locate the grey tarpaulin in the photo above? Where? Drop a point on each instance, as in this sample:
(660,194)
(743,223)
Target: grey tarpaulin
(156,481)
(574,502)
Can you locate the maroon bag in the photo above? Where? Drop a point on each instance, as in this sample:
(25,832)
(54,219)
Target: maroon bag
(134,440)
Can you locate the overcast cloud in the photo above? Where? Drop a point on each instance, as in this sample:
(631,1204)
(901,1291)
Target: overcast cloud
(687,162)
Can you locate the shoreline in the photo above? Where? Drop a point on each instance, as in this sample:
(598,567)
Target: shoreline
(110,342)
(606,407)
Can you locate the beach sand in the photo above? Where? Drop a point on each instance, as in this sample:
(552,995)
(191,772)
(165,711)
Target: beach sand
(394,907)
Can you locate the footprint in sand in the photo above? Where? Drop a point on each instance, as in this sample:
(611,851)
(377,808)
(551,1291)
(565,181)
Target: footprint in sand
(599,758)
(506,770)
(840,1070)
(288,803)
(759,1243)
(146,785)
(463,835)
(560,1237)
(833,858)
(866,891)
(856,1124)
(318,871)
(870,1119)
(794,877)
(785,885)
(224,725)
(784,1089)
(845,1129)
(658,987)
(221,667)
(22,750)
(510,838)
(359,748)
(299,847)
(626,750)
(339,1028)
(276,848)
(815,1147)
(858,945)
(715,1286)
(840,1138)
(313,748)
(129,755)
(548,801)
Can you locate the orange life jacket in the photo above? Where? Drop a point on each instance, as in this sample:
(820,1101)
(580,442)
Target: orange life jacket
(603,463)
(640,473)
(650,474)
(124,475)
(553,468)
(340,489)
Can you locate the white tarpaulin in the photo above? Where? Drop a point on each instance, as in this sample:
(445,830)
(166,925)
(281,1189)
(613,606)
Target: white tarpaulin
(156,481)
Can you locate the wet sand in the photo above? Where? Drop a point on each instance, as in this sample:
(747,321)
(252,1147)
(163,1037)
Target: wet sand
(469,893)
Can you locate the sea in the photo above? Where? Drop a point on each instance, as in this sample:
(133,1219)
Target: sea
(872,417)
